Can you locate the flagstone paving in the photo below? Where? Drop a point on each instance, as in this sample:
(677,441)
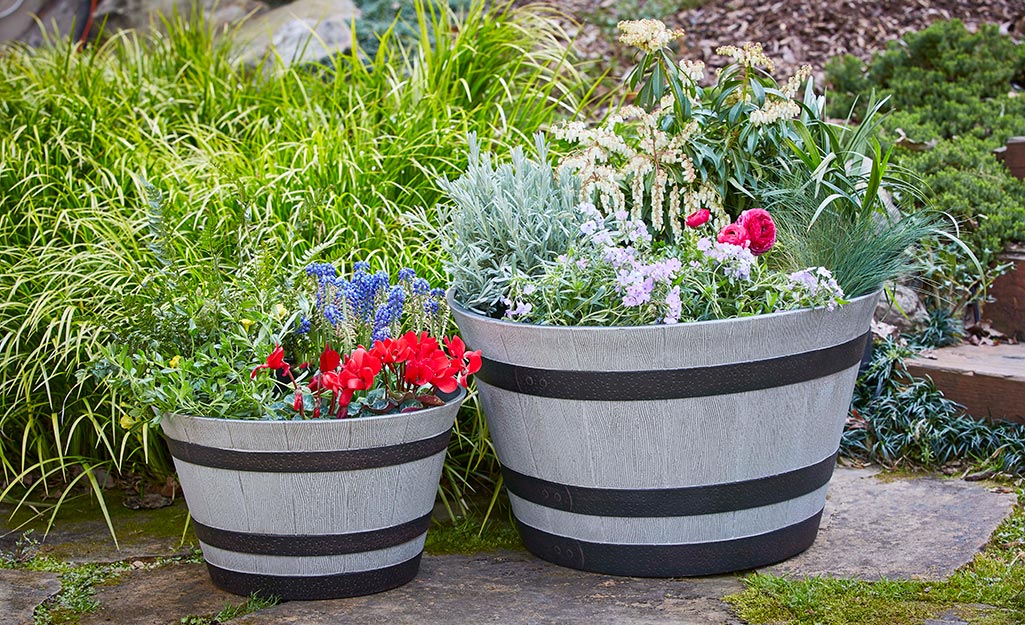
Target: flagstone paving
(81,536)
(874,526)
(910,528)
(21,591)
(159,596)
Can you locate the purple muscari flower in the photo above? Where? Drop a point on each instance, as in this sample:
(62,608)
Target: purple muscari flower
(304,326)
(431,307)
(384,332)
(361,267)
(421,286)
(437,293)
(362,293)
(387,313)
(396,301)
(321,270)
(332,314)
(406,274)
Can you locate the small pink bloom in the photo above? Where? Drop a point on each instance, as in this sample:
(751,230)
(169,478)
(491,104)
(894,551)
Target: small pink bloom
(734,234)
(698,218)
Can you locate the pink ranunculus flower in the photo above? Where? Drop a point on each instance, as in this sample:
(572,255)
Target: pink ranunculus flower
(698,218)
(761,230)
(734,234)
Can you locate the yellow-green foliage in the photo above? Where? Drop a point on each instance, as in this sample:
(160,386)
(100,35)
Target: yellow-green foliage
(324,159)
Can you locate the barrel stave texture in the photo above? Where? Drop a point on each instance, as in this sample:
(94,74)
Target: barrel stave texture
(740,403)
(370,479)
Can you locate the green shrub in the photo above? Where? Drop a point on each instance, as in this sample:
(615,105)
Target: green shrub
(325,159)
(965,180)
(504,221)
(942,73)
(956,97)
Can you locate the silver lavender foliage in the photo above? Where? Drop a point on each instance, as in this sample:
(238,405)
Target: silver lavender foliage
(505,221)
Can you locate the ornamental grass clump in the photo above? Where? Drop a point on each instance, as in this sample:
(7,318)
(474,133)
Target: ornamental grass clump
(682,212)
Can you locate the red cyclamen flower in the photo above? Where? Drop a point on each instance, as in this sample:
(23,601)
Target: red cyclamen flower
(760,229)
(329,359)
(275,361)
(357,374)
(464,363)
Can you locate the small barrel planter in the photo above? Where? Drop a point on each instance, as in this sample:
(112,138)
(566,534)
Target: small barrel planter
(669,450)
(316,509)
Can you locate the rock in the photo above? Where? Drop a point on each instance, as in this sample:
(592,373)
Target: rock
(511,588)
(141,14)
(950,617)
(905,310)
(304,31)
(917,528)
(21,591)
(159,596)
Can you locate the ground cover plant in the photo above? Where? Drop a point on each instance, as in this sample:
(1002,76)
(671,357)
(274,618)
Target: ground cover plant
(901,421)
(258,170)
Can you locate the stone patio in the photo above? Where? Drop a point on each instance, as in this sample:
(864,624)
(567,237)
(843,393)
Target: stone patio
(873,527)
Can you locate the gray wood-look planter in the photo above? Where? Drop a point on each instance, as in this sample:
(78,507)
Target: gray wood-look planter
(669,450)
(312,509)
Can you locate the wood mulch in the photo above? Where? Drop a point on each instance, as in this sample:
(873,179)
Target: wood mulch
(793,32)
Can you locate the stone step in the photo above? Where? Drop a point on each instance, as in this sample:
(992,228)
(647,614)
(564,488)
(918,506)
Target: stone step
(989,380)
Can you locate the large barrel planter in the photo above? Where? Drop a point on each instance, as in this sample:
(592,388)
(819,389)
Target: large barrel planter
(315,509)
(669,450)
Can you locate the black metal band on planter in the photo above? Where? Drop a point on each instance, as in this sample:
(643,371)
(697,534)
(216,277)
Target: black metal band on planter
(308,461)
(311,544)
(682,560)
(315,587)
(673,383)
(671,502)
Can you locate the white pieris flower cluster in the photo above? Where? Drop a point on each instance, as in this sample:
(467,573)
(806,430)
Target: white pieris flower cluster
(648,35)
(794,82)
(695,70)
(774,111)
(749,55)
(654,167)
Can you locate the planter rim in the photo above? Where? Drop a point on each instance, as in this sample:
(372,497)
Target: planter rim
(457,399)
(456,306)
